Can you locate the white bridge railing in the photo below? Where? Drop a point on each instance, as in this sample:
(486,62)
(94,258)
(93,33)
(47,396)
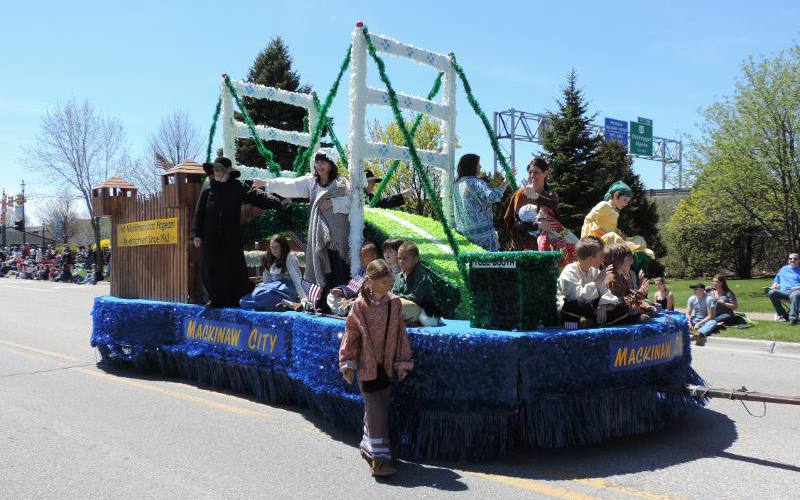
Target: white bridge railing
(361,149)
(233,129)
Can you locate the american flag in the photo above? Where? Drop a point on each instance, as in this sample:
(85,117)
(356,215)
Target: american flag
(355,284)
(313,292)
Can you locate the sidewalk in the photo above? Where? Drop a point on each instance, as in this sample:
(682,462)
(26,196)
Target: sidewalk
(761,316)
(783,349)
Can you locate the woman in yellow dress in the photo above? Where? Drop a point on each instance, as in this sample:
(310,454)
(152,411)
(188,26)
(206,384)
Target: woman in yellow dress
(602,220)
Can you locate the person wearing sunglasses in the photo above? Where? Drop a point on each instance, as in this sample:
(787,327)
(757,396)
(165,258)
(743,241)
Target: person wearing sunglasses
(786,286)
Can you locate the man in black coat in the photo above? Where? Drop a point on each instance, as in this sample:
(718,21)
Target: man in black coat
(394,201)
(217,230)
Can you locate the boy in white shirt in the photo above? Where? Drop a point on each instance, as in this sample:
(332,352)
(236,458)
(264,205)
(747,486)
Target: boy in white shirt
(580,284)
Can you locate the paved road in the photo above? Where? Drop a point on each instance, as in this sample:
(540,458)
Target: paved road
(69,430)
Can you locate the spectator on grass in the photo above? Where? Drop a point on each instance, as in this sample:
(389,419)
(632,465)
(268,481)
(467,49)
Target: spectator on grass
(701,313)
(724,299)
(786,286)
(663,296)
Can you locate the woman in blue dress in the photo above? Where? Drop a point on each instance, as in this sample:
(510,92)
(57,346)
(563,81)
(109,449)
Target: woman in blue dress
(281,281)
(472,203)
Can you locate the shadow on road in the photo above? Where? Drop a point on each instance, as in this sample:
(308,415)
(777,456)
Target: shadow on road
(702,434)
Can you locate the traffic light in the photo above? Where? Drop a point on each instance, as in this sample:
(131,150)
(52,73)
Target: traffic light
(19,225)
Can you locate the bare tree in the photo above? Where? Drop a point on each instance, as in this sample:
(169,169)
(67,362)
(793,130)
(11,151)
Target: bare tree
(58,212)
(77,148)
(143,174)
(176,140)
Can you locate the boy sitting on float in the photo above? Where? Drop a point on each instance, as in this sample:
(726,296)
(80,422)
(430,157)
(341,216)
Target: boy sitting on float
(580,284)
(414,287)
(626,305)
(342,297)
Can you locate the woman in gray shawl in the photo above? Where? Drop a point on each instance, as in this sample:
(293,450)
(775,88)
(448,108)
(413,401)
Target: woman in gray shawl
(327,249)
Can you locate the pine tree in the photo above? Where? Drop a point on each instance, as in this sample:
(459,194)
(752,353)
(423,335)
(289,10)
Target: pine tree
(273,67)
(640,217)
(570,145)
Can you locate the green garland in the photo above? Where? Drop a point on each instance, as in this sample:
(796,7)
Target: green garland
(437,84)
(272,165)
(213,129)
(301,149)
(426,182)
(477,108)
(446,291)
(339,148)
(273,221)
(302,168)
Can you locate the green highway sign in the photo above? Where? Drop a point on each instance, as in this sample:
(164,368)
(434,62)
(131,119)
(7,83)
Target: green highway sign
(641,137)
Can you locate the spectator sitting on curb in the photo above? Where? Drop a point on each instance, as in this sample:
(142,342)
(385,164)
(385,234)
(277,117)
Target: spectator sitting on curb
(701,310)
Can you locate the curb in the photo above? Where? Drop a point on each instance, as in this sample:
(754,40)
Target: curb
(787,349)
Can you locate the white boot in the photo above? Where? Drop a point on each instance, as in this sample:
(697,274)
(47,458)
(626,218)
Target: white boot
(426,320)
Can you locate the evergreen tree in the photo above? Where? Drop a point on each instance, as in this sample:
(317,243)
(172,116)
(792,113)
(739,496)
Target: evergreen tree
(570,145)
(273,67)
(640,217)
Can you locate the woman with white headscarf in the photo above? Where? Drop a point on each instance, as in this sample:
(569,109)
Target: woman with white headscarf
(327,249)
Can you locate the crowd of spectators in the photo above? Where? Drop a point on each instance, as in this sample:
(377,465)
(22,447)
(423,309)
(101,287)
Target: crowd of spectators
(51,263)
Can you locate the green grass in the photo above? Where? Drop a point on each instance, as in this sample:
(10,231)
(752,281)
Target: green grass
(443,263)
(749,293)
(766,330)
(751,297)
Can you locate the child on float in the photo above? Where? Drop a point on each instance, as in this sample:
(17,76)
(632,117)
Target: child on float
(390,248)
(620,304)
(414,287)
(217,232)
(376,345)
(342,297)
(581,284)
(603,218)
(281,281)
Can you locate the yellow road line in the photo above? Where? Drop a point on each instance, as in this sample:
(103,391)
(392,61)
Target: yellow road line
(535,486)
(521,483)
(178,395)
(597,482)
(141,385)
(620,488)
(42,351)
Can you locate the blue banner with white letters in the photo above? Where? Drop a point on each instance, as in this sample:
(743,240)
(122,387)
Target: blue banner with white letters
(616,130)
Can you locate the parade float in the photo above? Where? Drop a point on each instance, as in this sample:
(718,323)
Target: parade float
(501,374)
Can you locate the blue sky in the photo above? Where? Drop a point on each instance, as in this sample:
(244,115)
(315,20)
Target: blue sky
(140,60)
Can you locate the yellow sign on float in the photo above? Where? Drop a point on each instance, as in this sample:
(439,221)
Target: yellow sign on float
(148,232)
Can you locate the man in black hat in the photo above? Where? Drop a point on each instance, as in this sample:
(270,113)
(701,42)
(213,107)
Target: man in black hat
(394,201)
(217,230)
